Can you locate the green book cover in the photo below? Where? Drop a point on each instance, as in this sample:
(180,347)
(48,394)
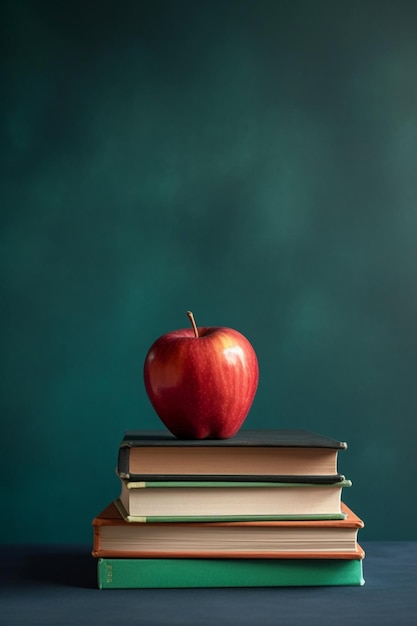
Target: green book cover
(195,573)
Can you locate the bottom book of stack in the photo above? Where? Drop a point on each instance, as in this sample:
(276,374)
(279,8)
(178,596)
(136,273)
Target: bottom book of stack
(226,554)
(193,573)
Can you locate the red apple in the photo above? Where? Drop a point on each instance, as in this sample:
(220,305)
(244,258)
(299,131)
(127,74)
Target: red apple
(201,381)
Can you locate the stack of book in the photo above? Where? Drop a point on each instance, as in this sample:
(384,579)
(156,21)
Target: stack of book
(263,508)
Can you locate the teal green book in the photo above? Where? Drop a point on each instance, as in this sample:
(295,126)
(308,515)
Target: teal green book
(199,573)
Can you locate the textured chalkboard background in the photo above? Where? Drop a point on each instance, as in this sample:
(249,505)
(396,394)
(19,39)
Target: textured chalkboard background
(253,161)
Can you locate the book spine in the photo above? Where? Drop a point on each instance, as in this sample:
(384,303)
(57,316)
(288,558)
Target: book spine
(198,573)
(123,463)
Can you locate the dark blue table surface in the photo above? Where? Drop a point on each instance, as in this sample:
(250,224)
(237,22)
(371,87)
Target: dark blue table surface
(57,585)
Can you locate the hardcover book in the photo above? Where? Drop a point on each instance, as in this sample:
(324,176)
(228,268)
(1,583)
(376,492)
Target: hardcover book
(274,455)
(329,539)
(184,500)
(194,573)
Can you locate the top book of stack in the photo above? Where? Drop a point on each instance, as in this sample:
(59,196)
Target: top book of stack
(251,455)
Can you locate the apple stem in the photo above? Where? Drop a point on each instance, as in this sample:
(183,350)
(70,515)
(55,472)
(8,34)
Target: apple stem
(192,320)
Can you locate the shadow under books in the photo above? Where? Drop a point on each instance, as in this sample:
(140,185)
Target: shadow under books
(69,567)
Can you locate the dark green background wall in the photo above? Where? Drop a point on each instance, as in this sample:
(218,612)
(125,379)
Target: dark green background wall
(254,161)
